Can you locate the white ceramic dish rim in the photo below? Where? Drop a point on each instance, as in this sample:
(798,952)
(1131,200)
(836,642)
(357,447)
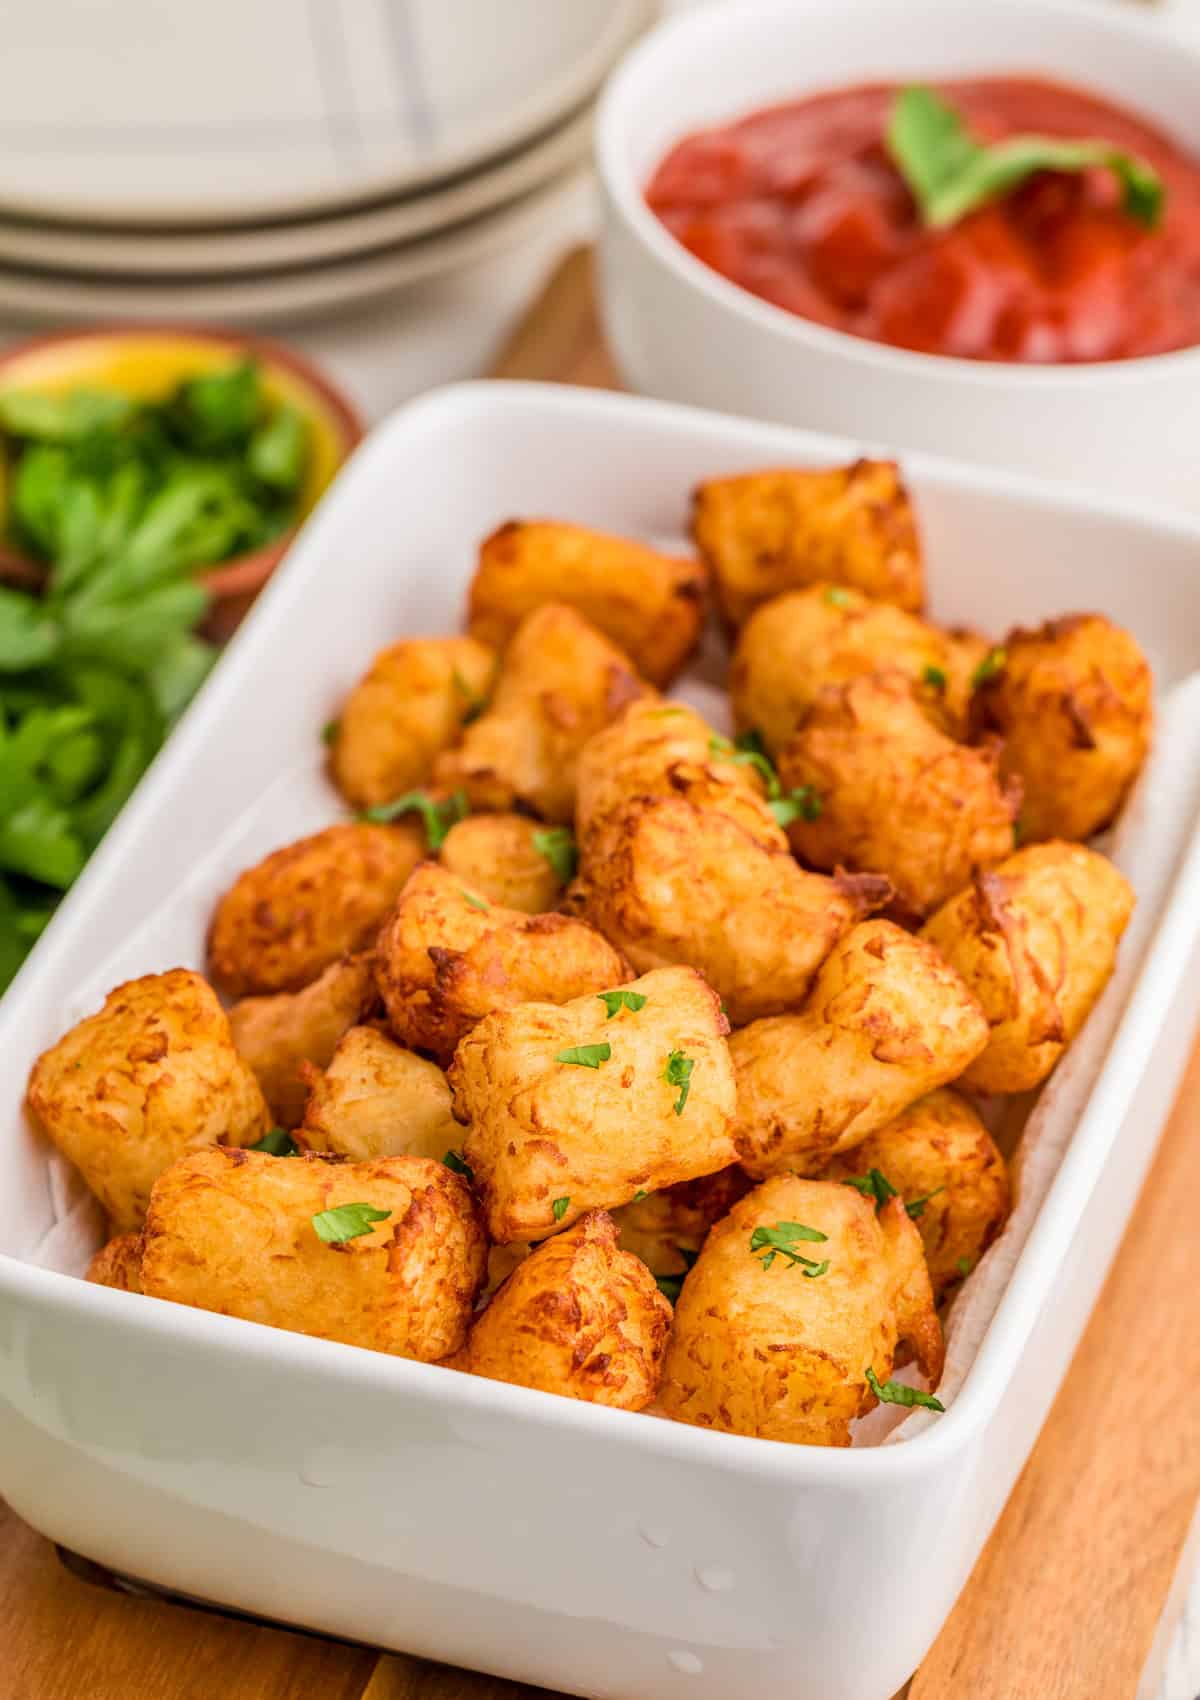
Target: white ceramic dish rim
(1081,1169)
(617,114)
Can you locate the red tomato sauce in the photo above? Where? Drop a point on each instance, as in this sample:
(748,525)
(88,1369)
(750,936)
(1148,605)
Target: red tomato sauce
(801,205)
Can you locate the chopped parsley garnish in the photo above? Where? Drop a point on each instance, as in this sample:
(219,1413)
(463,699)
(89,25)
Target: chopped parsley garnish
(670,1285)
(802,804)
(437,817)
(678,1072)
(837,597)
(475,704)
(585,1056)
(874,1184)
(993,664)
(277,1143)
(896,1393)
(470,897)
(557,845)
(934,676)
(964,1266)
(456,1161)
(561,1206)
(916,1206)
(639,1195)
(748,750)
(330,731)
(780,1241)
(346,1222)
(613,1001)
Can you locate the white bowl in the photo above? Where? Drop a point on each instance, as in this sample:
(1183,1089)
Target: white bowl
(680,330)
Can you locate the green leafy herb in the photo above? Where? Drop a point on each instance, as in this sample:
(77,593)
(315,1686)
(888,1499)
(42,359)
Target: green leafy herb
(585,1056)
(456,1161)
(277,453)
(639,1195)
(557,845)
(935,677)
(277,1143)
(346,1222)
(950,174)
(896,1393)
(437,816)
(802,804)
(874,1184)
(837,597)
(670,1286)
(916,1206)
(661,713)
(678,1072)
(780,1241)
(964,1266)
(749,750)
(471,899)
(621,999)
(330,730)
(475,703)
(992,665)
(560,1207)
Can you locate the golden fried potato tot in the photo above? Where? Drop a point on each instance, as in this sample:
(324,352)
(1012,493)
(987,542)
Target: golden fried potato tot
(118,1264)
(498,856)
(658,749)
(766,532)
(668,880)
(233,1232)
(578,1317)
(794,646)
(283,921)
(765,1346)
(276,1035)
(1073,703)
(560,681)
(1036,940)
(887,1021)
(152,1075)
(941,1160)
(411,705)
(447,957)
(666,1229)
(378,1100)
(570,1108)
(893,795)
(650,605)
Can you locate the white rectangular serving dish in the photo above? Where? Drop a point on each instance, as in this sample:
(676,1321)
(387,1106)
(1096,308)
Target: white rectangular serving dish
(397,1503)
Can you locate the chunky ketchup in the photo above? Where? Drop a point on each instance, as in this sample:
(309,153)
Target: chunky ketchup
(801,205)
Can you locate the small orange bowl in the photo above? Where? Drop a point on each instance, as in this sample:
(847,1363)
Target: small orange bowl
(148,364)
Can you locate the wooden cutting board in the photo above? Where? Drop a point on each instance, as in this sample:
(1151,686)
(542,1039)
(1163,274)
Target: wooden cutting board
(1066,1602)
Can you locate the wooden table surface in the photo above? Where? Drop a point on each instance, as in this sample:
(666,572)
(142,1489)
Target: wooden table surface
(1064,1603)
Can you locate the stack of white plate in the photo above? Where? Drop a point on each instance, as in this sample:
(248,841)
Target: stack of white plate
(270,159)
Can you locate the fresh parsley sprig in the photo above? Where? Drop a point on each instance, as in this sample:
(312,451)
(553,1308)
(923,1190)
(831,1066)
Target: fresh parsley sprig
(346,1222)
(768,1243)
(621,999)
(277,1143)
(560,1207)
(585,1056)
(455,1161)
(897,1393)
(557,844)
(678,1072)
(438,815)
(748,748)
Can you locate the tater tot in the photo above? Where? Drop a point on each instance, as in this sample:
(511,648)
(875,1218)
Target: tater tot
(150,1077)
(578,1317)
(560,681)
(579,1106)
(767,1345)
(666,1229)
(668,880)
(1073,703)
(118,1264)
(276,1035)
(887,1021)
(283,921)
(510,860)
(447,957)
(766,532)
(378,1100)
(1036,940)
(234,1232)
(651,605)
(948,1172)
(411,705)
(794,646)
(658,749)
(890,794)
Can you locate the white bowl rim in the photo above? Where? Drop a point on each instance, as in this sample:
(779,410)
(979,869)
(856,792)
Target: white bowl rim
(627,196)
